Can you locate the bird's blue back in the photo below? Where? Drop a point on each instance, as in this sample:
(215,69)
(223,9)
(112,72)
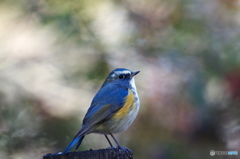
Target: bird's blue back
(109,99)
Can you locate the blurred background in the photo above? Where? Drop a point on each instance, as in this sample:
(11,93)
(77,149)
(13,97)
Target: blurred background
(55,54)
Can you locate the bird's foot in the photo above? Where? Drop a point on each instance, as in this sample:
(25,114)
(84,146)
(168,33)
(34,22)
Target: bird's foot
(124,149)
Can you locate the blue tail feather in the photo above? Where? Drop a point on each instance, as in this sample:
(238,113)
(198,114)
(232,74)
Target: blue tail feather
(75,140)
(79,142)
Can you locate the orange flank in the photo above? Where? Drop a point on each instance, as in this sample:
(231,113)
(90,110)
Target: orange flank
(127,106)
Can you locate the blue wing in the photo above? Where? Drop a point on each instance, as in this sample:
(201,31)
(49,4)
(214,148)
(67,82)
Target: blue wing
(107,101)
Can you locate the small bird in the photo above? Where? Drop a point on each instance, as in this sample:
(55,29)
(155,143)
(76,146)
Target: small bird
(113,109)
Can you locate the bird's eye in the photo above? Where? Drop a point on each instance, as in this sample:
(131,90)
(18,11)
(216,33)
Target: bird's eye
(121,76)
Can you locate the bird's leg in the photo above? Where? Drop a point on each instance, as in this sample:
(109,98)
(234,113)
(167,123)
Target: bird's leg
(108,140)
(116,141)
(120,147)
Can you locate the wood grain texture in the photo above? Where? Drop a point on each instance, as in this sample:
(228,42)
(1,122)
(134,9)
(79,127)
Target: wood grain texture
(109,153)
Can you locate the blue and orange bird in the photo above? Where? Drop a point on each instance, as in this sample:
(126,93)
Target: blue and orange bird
(113,109)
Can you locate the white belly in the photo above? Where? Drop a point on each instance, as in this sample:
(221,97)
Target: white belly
(124,123)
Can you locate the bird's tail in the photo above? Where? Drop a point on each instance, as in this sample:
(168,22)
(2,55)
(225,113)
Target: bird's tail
(75,140)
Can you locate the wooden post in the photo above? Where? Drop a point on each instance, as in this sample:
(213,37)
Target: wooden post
(109,153)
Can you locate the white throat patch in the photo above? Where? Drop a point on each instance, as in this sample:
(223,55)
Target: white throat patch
(132,83)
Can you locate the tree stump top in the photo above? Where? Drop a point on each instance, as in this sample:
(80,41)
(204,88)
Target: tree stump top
(109,153)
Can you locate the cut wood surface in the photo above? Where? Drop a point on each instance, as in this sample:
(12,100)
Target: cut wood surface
(109,153)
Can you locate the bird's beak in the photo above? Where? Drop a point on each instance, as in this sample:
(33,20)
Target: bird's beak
(135,73)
